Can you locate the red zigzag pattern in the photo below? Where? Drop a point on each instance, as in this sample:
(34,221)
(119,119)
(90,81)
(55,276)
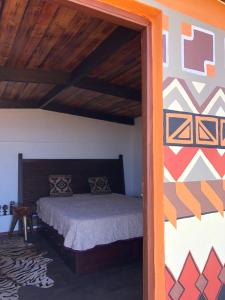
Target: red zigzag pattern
(177,163)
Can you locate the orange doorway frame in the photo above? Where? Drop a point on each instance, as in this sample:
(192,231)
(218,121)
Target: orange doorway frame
(148,20)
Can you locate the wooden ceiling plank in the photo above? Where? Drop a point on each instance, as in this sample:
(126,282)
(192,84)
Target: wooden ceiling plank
(90,114)
(34,76)
(121,76)
(29,21)
(63,46)
(12,15)
(28,93)
(3,85)
(13,91)
(1,7)
(131,77)
(37,18)
(53,36)
(115,41)
(78,44)
(85,46)
(75,97)
(104,104)
(33,92)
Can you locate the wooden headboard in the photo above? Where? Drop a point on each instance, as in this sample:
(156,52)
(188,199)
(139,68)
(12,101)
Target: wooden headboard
(33,175)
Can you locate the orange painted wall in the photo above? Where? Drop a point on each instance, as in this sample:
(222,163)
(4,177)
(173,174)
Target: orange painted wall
(208,11)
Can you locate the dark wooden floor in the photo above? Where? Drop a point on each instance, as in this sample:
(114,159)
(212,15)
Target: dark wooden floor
(113,284)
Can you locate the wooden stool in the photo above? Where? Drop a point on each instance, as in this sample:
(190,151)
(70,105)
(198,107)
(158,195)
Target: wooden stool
(23,213)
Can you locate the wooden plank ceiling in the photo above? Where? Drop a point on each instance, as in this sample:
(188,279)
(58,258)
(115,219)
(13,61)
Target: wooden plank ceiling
(56,58)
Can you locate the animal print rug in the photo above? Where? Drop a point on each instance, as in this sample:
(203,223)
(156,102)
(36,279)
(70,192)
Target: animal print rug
(21,265)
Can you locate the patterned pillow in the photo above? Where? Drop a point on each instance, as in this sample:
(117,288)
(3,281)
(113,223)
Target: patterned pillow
(60,185)
(99,185)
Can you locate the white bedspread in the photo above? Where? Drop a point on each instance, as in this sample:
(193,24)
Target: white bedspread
(87,220)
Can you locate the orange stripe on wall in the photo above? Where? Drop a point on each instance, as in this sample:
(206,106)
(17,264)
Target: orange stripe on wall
(170,212)
(188,199)
(165,22)
(208,11)
(212,196)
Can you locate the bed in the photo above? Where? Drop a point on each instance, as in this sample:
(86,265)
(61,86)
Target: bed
(90,232)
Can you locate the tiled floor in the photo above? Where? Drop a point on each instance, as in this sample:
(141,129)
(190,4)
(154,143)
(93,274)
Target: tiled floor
(124,283)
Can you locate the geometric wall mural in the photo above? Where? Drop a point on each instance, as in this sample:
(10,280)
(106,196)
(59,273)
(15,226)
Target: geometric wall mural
(178,128)
(179,96)
(193,284)
(187,199)
(206,130)
(194,252)
(184,164)
(197,50)
(194,160)
(185,129)
(222,132)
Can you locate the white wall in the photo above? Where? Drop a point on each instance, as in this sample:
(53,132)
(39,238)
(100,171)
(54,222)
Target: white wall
(42,134)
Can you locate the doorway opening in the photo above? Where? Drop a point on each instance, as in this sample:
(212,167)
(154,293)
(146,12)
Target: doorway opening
(55,79)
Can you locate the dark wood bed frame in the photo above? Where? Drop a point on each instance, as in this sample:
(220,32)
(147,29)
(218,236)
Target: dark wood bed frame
(33,184)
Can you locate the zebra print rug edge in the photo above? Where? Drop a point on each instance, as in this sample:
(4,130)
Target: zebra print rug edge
(21,265)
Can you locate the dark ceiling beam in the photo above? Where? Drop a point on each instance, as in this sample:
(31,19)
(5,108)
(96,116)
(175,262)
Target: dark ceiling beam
(63,79)
(49,97)
(118,38)
(19,104)
(34,76)
(6,103)
(103,87)
(89,114)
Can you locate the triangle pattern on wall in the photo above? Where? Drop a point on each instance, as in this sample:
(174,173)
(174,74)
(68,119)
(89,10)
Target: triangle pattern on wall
(204,134)
(176,88)
(199,86)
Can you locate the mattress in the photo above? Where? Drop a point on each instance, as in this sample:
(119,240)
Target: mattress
(86,220)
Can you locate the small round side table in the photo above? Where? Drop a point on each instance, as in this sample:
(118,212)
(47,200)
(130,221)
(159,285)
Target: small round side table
(23,213)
